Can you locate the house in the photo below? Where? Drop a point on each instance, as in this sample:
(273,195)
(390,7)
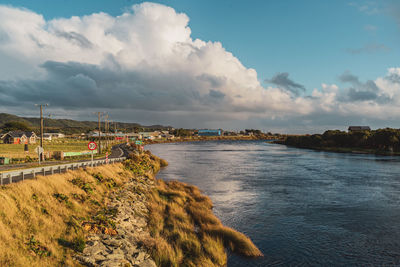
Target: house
(359,128)
(207,132)
(150,135)
(19,137)
(50,136)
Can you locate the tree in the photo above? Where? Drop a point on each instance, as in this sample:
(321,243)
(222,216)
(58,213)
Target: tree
(15,126)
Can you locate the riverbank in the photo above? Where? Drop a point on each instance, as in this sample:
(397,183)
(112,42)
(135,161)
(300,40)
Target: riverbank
(351,150)
(213,138)
(112,215)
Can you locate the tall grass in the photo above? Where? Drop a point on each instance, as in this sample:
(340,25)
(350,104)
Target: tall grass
(185,231)
(41,220)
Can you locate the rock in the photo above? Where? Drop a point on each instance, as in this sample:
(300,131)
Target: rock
(115,256)
(111,263)
(99,257)
(123,248)
(93,250)
(112,242)
(88,261)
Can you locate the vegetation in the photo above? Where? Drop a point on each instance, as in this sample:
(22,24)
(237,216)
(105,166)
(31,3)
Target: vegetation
(15,126)
(378,141)
(71,126)
(44,221)
(65,145)
(185,232)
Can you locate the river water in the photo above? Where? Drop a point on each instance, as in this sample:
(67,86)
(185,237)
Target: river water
(300,207)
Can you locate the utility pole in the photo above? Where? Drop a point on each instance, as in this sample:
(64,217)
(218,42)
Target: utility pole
(106,128)
(41,155)
(99,114)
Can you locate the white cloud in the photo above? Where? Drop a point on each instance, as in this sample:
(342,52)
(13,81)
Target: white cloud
(144,66)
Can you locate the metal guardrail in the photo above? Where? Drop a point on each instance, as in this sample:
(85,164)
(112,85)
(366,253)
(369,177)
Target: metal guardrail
(20,175)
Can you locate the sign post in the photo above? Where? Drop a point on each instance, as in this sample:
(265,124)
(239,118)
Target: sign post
(92,146)
(39,150)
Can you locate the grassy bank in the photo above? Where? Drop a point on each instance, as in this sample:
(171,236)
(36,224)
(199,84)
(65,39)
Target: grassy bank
(185,232)
(41,221)
(44,222)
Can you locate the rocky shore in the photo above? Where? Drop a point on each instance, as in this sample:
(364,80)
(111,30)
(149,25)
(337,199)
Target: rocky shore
(123,247)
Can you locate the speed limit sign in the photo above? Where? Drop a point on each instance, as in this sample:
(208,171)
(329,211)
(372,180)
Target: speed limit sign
(92,146)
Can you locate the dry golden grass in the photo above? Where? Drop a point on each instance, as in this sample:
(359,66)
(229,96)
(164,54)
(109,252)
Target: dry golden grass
(47,209)
(185,232)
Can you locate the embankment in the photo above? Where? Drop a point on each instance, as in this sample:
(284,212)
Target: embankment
(113,215)
(212,138)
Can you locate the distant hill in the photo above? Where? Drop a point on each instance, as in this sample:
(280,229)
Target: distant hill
(73,126)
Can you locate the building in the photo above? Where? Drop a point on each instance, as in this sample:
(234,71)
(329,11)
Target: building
(359,128)
(208,132)
(50,136)
(19,137)
(150,135)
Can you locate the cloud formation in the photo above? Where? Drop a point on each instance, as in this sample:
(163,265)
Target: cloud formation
(282,81)
(144,66)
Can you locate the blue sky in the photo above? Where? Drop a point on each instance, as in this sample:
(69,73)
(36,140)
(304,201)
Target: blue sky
(314,41)
(320,64)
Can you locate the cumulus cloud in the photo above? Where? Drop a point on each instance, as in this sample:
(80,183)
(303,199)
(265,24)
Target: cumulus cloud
(144,66)
(361,91)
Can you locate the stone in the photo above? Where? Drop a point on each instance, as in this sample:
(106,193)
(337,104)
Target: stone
(93,250)
(122,249)
(111,263)
(115,256)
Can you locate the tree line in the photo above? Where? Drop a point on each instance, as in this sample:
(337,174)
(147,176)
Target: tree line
(382,139)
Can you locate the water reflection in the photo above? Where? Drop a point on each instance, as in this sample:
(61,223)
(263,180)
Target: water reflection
(301,207)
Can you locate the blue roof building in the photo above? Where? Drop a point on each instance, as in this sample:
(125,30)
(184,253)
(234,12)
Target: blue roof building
(208,132)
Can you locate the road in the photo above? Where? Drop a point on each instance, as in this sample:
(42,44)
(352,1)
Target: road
(120,150)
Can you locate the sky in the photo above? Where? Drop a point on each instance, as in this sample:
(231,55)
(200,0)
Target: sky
(280,66)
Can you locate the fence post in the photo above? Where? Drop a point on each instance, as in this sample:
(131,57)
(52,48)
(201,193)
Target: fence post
(10,178)
(44,172)
(51,170)
(33,173)
(22,174)
(1,178)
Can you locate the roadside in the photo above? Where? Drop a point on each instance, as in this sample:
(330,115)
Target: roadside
(116,152)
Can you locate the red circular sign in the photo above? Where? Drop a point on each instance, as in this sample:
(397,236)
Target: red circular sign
(92,146)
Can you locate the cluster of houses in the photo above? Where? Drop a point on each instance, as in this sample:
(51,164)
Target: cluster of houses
(19,137)
(22,137)
(133,136)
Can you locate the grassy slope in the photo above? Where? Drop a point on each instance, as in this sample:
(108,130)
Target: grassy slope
(43,221)
(185,231)
(40,220)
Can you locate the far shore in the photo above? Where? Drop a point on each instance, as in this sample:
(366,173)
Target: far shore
(213,138)
(349,150)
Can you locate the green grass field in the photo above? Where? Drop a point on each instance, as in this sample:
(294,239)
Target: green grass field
(65,145)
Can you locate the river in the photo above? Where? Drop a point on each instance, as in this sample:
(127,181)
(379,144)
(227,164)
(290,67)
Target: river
(300,207)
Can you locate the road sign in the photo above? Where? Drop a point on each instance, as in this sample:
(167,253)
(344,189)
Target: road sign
(92,146)
(106,157)
(138,142)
